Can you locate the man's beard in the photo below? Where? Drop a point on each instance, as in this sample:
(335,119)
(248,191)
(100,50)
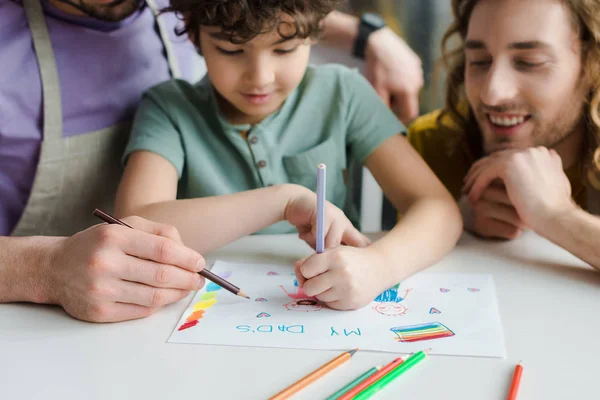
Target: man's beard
(118,10)
(548,133)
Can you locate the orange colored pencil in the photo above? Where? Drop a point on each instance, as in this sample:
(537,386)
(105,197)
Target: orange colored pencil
(313,376)
(516,380)
(367,382)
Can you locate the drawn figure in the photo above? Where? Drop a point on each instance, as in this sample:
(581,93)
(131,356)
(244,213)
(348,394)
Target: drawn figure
(299,295)
(391,295)
(388,302)
(301,302)
(390,309)
(263,315)
(306,305)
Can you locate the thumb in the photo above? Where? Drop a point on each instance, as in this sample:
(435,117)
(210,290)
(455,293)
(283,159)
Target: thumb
(353,237)
(297,265)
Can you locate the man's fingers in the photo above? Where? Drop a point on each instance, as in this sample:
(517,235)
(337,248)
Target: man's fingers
(482,181)
(316,286)
(384,94)
(489,210)
(497,195)
(160,249)
(160,275)
(500,230)
(405,105)
(147,296)
(155,228)
(115,312)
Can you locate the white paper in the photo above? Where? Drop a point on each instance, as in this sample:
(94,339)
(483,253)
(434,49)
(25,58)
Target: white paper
(450,313)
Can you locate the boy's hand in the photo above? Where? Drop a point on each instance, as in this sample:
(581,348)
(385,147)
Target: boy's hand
(345,278)
(301,211)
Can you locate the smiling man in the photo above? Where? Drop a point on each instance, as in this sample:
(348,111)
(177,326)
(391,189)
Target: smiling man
(517,143)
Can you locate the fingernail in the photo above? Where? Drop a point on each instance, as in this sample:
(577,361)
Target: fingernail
(201,264)
(200,282)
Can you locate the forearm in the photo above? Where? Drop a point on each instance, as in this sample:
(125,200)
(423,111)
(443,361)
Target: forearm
(577,232)
(208,223)
(23,268)
(425,233)
(340,30)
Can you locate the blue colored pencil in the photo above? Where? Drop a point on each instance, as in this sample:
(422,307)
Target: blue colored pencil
(321,186)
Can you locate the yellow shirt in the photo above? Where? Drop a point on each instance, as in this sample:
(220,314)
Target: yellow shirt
(451,166)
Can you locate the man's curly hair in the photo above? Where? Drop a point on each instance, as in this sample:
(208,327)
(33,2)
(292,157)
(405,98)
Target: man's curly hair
(242,20)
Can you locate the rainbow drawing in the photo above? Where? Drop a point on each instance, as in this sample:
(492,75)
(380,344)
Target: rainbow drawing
(417,333)
(207,300)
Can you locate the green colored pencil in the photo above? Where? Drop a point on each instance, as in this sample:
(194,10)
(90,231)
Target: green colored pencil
(390,376)
(354,383)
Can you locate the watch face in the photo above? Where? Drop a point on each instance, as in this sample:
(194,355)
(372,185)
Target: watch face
(373,20)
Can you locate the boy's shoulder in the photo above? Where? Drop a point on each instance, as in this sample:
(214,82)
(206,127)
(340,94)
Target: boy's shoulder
(177,87)
(333,72)
(179,94)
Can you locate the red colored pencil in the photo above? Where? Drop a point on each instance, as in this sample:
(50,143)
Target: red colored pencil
(516,380)
(367,382)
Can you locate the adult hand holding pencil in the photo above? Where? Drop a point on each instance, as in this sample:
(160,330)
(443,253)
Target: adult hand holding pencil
(203,272)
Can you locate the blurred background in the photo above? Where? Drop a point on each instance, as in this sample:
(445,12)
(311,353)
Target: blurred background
(421,23)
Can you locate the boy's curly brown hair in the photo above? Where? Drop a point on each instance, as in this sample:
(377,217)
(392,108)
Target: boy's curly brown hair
(242,20)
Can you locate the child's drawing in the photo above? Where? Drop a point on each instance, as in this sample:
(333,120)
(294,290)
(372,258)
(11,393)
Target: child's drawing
(390,309)
(263,315)
(473,290)
(388,302)
(391,295)
(444,290)
(272,273)
(207,300)
(400,320)
(301,302)
(213,287)
(419,332)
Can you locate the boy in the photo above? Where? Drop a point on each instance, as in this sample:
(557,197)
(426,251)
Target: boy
(262,117)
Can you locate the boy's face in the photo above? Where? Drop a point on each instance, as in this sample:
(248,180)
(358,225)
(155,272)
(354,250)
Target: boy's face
(254,78)
(523,69)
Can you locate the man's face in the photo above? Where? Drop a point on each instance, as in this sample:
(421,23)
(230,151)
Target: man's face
(254,78)
(523,69)
(104,10)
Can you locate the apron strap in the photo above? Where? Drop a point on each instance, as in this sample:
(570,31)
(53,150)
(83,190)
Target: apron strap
(163,32)
(52,122)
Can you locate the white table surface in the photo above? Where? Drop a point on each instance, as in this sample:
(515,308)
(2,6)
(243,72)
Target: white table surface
(546,299)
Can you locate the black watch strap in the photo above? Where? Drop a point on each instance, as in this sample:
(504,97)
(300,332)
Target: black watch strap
(369,23)
(360,43)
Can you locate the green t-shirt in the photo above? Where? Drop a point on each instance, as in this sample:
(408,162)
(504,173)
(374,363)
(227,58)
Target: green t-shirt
(333,117)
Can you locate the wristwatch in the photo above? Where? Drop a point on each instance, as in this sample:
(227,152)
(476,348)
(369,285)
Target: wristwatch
(369,23)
